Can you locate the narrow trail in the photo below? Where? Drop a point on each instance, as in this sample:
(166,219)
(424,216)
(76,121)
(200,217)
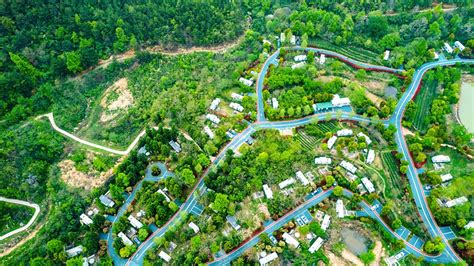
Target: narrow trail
(221,48)
(88,143)
(30,222)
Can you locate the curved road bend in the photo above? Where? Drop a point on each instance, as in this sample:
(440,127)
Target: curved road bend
(415,183)
(30,222)
(88,143)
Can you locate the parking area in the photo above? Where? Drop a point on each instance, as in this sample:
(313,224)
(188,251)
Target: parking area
(403,232)
(416,241)
(303,218)
(448,232)
(197,209)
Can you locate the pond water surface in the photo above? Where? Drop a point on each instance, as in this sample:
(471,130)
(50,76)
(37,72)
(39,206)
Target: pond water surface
(466,106)
(355,242)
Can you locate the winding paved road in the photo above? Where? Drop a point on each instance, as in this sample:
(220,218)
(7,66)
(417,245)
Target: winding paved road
(88,143)
(30,222)
(447,256)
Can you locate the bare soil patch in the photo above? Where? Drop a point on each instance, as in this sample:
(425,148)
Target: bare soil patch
(374,98)
(71,176)
(117,98)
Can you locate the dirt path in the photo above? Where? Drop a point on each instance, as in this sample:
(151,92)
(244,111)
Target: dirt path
(379,253)
(30,222)
(23,241)
(222,48)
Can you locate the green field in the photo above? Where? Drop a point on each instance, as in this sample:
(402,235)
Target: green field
(390,164)
(352,52)
(423,101)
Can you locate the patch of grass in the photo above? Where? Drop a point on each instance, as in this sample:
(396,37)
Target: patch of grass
(13,216)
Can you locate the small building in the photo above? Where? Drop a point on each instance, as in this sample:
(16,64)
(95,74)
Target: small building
(85,219)
(209,132)
(440,159)
(326,221)
(344,132)
(316,245)
(469,225)
(237,97)
(319,215)
(175,145)
(287,182)
(230,134)
(300,58)
(300,176)
(323,106)
(348,166)
(268,191)
(322,160)
(368,141)
(215,104)
(274,103)
(448,48)
(135,222)
(162,192)
(459,45)
(340,208)
(298,65)
(332,141)
(125,239)
(72,252)
(164,256)
(194,226)
(455,202)
(435,55)
(213,118)
(386,55)
(293,40)
(268,258)
(446,177)
(290,240)
(246,82)
(337,101)
(237,107)
(368,185)
(370,157)
(233,222)
(106,201)
(266,41)
(322,59)
(282,37)
(350,176)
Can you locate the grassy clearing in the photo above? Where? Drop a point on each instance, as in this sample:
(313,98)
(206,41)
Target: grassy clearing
(459,165)
(423,101)
(352,52)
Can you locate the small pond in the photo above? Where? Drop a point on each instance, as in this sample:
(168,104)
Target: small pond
(466,106)
(355,242)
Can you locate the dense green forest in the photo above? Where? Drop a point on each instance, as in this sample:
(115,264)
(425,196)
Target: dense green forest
(42,39)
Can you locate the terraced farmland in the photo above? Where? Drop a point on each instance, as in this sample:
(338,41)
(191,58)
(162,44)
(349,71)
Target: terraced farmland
(307,141)
(395,179)
(330,126)
(423,101)
(352,52)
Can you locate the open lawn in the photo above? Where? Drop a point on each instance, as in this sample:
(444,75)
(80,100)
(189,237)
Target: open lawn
(460,165)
